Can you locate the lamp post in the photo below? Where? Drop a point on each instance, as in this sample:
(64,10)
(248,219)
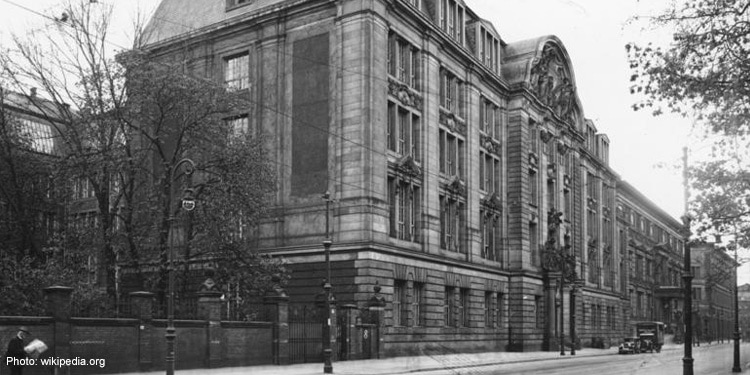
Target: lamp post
(687,361)
(327,352)
(188,203)
(736,366)
(562,309)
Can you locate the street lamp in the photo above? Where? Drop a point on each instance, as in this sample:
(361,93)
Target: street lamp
(188,204)
(687,361)
(327,352)
(736,366)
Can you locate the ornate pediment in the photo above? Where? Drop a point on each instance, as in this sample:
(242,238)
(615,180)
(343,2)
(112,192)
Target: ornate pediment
(404,95)
(552,83)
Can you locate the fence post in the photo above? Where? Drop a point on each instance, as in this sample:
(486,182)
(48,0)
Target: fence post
(58,304)
(277,301)
(141,306)
(209,309)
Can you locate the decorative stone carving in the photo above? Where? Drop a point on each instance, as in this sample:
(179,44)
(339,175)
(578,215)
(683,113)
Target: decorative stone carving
(533,160)
(492,202)
(552,171)
(562,148)
(566,181)
(551,82)
(490,144)
(408,167)
(456,186)
(545,135)
(406,96)
(453,123)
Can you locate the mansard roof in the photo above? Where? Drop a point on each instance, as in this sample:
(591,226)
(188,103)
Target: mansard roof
(177,17)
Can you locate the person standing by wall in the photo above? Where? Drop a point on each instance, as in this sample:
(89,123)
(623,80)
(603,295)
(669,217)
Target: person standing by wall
(16,351)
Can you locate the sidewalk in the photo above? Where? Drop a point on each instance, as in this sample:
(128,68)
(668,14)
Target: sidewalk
(407,365)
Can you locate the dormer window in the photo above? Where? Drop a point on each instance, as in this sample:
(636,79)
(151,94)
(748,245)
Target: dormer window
(231,4)
(452,19)
(487,49)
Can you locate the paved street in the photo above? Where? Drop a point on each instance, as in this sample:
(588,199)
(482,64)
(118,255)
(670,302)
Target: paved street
(709,359)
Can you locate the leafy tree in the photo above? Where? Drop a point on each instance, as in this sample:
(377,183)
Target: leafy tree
(705,73)
(132,119)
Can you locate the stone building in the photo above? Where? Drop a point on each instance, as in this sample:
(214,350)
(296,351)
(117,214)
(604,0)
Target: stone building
(468,183)
(713,292)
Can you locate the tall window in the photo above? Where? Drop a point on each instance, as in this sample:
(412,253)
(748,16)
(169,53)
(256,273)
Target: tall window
(499,309)
(403,60)
(490,227)
(489,172)
(400,304)
(451,224)
(403,130)
(452,19)
(418,303)
(488,47)
(237,71)
(451,154)
(405,209)
(448,304)
(534,243)
(465,307)
(490,118)
(533,187)
(451,93)
(489,310)
(593,265)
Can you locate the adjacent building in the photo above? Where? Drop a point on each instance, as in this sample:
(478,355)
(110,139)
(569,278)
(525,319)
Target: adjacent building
(468,182)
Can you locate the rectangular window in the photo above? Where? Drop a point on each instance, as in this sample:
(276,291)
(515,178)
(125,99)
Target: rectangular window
(538,312)
(238,126)
(400,304)
(403,60)
(404,210)
(448,306)
(465,307)
(451,224)
(534,243)
(451,92)
(418,304)
(237,72)
(533,187)
(499,309)
(403,131)
(451,154)
(489,310)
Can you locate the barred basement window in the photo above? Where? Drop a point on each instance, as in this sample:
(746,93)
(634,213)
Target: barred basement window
(448,306)
(400,303)
(489,310)
(465,307)
(499,309)
(418,304)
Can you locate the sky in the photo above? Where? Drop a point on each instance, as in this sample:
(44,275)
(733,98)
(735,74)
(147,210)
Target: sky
(645,150)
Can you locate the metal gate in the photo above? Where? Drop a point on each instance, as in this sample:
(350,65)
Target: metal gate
(305,334)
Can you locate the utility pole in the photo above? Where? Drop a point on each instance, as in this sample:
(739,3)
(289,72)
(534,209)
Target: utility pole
(687,361)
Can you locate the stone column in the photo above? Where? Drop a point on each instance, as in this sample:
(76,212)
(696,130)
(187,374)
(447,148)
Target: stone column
(141,306)
(209,309)
(278,304)
(376,305)
(58,303)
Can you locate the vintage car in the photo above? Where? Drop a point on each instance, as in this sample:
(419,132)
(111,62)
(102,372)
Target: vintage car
(630,345)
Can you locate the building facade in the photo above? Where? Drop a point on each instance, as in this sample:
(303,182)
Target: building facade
(468,183)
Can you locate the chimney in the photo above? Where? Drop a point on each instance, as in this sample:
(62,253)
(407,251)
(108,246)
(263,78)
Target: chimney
(33,92)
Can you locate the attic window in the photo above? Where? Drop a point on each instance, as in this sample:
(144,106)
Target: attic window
(231,4)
